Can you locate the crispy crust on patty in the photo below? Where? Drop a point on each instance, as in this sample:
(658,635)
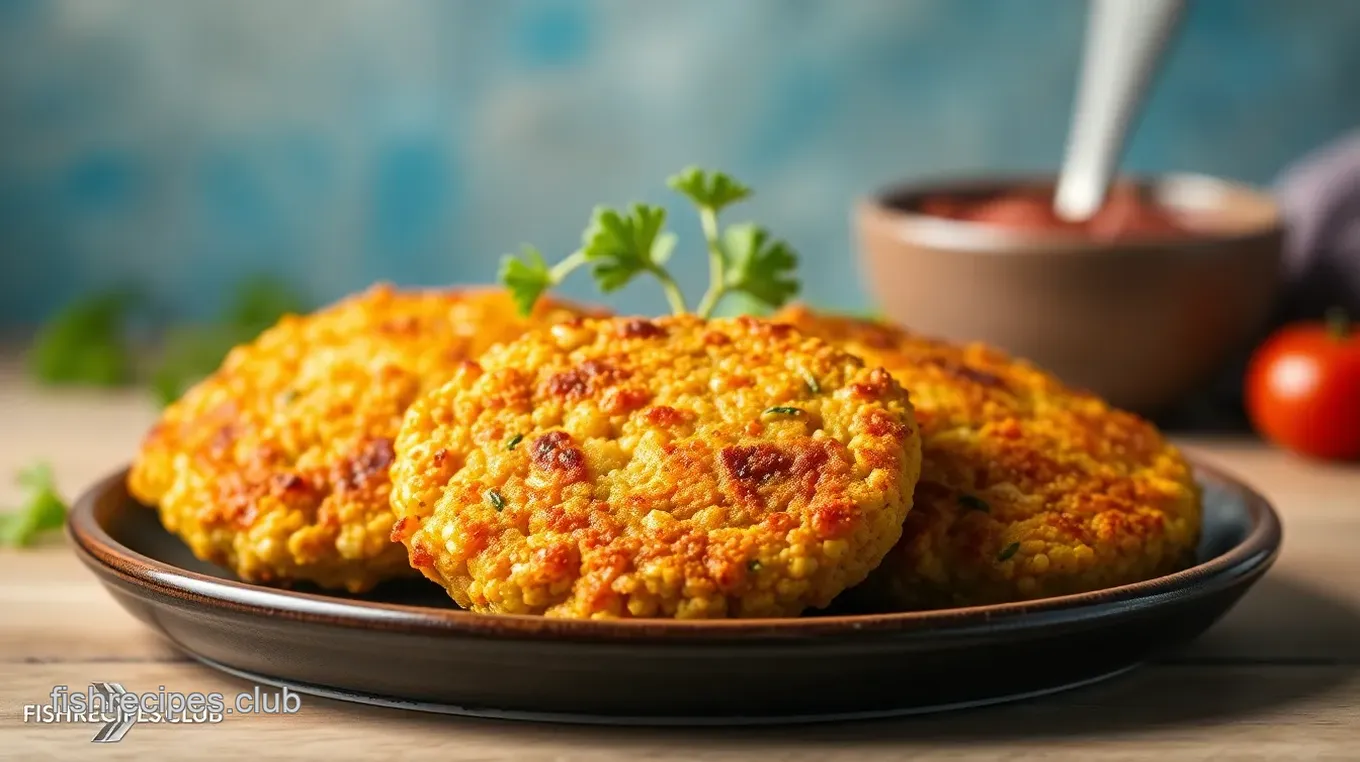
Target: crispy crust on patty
(634,468)
(1028,488)
(276,466)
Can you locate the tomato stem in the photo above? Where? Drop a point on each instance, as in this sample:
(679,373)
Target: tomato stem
(1338,323)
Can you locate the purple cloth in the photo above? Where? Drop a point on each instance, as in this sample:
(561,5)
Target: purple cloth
(1319,196)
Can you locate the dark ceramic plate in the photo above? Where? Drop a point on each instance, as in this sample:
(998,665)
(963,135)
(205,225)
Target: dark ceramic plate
(406,645)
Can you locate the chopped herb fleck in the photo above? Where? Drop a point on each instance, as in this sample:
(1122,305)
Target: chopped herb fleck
(496,500)
(784,411)
(514,441)
(974,503)
(754,565)
(1008,552)
(811,382)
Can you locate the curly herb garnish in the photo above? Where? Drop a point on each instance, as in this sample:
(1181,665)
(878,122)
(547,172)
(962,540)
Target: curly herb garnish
(497,501)
(974,503)
(618,245)
(1009,551)
(781,410)
(514,442)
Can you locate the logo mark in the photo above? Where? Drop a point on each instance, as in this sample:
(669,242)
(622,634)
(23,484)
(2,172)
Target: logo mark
(112,697)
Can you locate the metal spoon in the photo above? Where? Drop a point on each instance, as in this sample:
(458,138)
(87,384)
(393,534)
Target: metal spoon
(1124,44)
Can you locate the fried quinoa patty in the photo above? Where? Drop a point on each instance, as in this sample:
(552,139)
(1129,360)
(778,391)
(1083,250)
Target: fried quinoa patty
(1028,488)
(670,468)
(276,466)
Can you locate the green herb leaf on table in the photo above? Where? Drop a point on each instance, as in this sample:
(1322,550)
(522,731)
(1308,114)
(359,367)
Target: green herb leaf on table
(41,511)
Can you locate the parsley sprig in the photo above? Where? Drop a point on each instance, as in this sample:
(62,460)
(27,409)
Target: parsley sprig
(42,509)
(84,344)
(621,244)
(89,342)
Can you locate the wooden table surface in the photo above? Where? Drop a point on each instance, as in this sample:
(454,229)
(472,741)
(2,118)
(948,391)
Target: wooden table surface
(1277,679)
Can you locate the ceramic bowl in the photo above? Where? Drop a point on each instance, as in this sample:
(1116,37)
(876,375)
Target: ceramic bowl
(1141,322)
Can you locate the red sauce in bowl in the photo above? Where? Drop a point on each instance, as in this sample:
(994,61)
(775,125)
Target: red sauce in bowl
(1127,213)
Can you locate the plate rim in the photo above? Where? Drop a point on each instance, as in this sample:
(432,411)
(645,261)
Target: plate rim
(1251,557)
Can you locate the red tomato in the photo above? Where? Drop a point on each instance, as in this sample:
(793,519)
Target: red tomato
(1303,389)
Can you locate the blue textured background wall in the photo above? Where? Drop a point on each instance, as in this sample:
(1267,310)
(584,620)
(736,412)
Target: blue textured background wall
(183,143)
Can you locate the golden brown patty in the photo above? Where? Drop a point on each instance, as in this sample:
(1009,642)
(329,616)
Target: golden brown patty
(276,466)
(1028,488)
(656,468)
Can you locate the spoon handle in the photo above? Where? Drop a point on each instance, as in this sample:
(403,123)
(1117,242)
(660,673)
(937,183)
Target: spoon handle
(1124,42)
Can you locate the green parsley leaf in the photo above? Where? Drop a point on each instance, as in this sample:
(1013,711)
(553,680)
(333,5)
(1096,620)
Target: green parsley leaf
(738,303)
(526,278)
(782,410)
(1009,551)
(260,301)
(760,266)
(42,510)
(189,353)
(85,343)
(514,441)
(621,245)
(709,190)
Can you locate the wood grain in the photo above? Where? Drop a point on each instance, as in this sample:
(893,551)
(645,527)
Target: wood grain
(1278,678)
(1228,712)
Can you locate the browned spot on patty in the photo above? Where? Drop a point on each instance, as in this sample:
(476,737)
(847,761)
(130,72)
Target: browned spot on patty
(881,423)
(403,324)
(640,328)
(754,465)
(665,415)
(420,558)
(624,399)
(221,442)
(583,381)
(292,484)
(403,527)
(878,384)
(571,384)
(555,452)
(832,520)
(370,462)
